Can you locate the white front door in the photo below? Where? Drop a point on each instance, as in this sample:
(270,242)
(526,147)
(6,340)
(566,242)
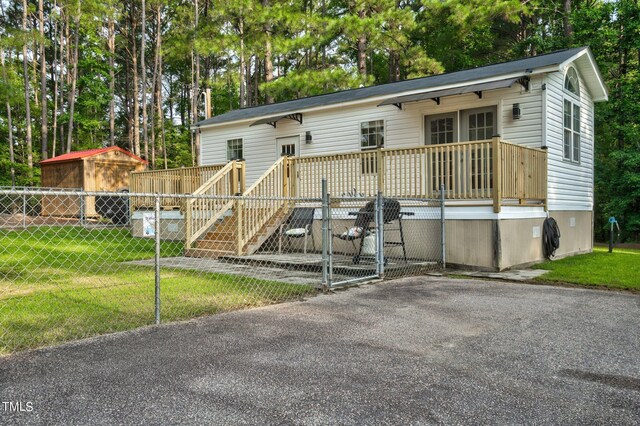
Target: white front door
(289,146)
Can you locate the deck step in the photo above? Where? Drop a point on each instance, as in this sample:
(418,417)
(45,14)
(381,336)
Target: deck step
(217,245)
(220,236)
(221,239)
(206,253)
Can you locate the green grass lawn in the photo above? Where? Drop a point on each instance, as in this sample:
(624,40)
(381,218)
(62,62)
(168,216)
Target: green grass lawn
(64,283)
(620,269)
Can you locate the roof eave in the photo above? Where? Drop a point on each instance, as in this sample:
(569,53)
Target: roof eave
(542,70)
(601,94)
(53,160)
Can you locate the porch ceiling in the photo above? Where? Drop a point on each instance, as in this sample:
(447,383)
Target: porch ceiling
(471,88)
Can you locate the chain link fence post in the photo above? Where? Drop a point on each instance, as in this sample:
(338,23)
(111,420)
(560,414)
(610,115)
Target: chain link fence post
(330,239)
(379,227)
(325,237)
(24,210)
(82,210)
(442,229)
(157,257)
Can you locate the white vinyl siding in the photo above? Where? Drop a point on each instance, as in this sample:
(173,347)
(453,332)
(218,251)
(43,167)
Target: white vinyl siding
(259,154)
(337,130)
(570,184)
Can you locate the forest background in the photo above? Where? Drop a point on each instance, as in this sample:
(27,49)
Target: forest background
(84,74)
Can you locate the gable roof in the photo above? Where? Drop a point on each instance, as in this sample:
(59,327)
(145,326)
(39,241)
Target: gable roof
(534,65)
(78,155)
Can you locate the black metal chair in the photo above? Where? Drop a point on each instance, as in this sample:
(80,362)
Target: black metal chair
(362,227)
(298,225)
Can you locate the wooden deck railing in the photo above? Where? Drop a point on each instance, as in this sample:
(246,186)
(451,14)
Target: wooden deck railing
(524,172)
(493,170)
(202,213)
(174,181)
(262,201)
(466,169)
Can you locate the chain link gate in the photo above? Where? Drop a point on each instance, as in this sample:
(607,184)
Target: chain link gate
(380,238)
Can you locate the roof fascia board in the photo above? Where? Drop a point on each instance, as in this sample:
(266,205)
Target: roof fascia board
(383,97)
(592,62)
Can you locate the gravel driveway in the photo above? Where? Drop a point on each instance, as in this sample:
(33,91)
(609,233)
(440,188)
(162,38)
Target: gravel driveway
(419,350)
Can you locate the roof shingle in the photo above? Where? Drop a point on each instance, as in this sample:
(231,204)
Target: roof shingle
(526,65)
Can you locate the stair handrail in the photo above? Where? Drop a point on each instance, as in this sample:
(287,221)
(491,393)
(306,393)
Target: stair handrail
(202,213)
(270,191)
(257,184)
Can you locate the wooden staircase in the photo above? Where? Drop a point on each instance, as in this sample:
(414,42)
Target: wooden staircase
(239,225)
(223,239)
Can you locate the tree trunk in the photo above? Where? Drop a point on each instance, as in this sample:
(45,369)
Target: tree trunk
(249,82)
(9,125)
(154,92)
(143,70)
(268,61)
(55,77)
(128,102)
(362,49)
(74,79)
(159,96)
(171,98)
(568,28)
(64,65)
(112,84)
(256,83)
(243,67)
(394,66)
(43,86)
(136,87)
(160,111)
(27,106)
(196,90)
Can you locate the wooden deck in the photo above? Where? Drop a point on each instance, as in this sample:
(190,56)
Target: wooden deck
(185,180)
(493,172)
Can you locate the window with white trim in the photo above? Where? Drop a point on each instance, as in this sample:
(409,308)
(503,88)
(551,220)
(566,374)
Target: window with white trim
(478,124)
(372,134)
(467,125)
(441,128)
(571,115)
(371,137)
(234,149)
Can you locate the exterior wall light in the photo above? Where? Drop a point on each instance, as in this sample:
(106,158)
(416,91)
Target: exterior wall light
(516,111)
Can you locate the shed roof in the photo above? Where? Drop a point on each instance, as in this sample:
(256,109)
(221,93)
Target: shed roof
(527,66)
(78,155)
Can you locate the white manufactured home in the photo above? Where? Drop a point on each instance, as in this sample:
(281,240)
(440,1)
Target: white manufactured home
(510,143)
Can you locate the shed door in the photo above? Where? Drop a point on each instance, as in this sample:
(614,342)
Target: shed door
(289,146)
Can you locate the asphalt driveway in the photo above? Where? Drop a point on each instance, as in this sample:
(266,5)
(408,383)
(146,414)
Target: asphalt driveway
(411,351)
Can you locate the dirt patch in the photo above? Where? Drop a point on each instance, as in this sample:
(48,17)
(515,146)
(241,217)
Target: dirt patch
(19,220)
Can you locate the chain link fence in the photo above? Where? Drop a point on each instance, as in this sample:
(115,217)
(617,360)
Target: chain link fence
(75,264)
